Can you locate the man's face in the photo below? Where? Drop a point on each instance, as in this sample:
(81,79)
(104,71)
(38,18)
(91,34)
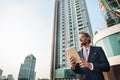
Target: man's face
(83,39)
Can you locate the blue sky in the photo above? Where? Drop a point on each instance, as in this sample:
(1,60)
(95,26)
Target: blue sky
(96,17)
(26,28)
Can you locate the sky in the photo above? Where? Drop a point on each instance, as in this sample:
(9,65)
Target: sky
(26,27)
(96,18)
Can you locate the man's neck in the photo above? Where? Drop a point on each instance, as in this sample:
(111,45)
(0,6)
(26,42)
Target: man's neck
(86,46)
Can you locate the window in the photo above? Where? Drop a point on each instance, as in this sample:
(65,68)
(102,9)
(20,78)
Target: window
(71,40)
(63,30)
(80,25)
(80,28)
(70,22)
(77,3)
(70,25)
(79,18)
(63,46)
(78,15)
(77,9)
(78,12)
(63,38)
(63,51)
(111,44)
(71,33)
(113,4)
(63,65)
(71,45)
(71,36)
(63,59)
(80,21)
(77,6)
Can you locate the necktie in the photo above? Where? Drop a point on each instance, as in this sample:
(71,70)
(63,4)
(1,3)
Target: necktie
(86,54)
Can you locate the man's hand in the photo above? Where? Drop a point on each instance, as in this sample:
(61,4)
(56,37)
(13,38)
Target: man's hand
(72,62)
(83,63)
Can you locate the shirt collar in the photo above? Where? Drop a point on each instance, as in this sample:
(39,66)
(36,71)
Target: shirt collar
(86,48)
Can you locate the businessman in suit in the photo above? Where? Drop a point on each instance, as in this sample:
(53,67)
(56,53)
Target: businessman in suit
(93,60)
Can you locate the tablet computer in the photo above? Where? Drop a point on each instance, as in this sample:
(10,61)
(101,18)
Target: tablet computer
(72,52)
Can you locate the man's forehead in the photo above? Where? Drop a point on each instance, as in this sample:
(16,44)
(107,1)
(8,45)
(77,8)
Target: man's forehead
(80,35)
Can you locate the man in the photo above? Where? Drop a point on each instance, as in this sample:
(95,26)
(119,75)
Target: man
(93,61)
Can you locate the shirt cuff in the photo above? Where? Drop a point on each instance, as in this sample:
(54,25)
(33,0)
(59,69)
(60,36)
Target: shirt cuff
(92,67)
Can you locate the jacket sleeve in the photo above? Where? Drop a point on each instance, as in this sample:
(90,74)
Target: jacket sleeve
(103,66)
(79,70)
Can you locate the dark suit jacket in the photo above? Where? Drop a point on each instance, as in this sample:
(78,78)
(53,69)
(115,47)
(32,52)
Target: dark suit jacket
(100,63)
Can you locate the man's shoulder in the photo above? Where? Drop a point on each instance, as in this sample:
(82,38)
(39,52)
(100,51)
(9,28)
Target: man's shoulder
(91,46)
(96,47)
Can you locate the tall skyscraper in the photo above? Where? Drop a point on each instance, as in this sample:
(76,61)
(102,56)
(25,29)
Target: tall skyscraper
(10,77)
(27,70)
(1,72)
(3,78)
(70,18)
(109,38)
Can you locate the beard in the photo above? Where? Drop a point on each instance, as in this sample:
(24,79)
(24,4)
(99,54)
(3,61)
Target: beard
(84,43)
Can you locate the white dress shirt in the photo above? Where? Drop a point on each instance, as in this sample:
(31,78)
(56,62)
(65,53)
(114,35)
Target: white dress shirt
(86,52)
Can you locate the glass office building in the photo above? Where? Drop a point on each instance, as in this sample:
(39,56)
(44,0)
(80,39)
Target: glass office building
(109,39)
(70,18)
(1,71)
(27,70)
(111,11)
(10,77)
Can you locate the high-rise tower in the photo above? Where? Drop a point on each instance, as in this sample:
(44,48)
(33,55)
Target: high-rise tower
(27,70)
(70,18)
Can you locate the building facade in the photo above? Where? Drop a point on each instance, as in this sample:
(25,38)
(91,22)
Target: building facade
(42,79)
(109,38)
(70,18)
(111,11)
(1,71)
(10,77)
(3,78)
(27,69)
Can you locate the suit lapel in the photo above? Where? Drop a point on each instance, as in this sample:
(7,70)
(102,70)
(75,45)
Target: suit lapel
(92,50)
(81,53)
(91,53)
